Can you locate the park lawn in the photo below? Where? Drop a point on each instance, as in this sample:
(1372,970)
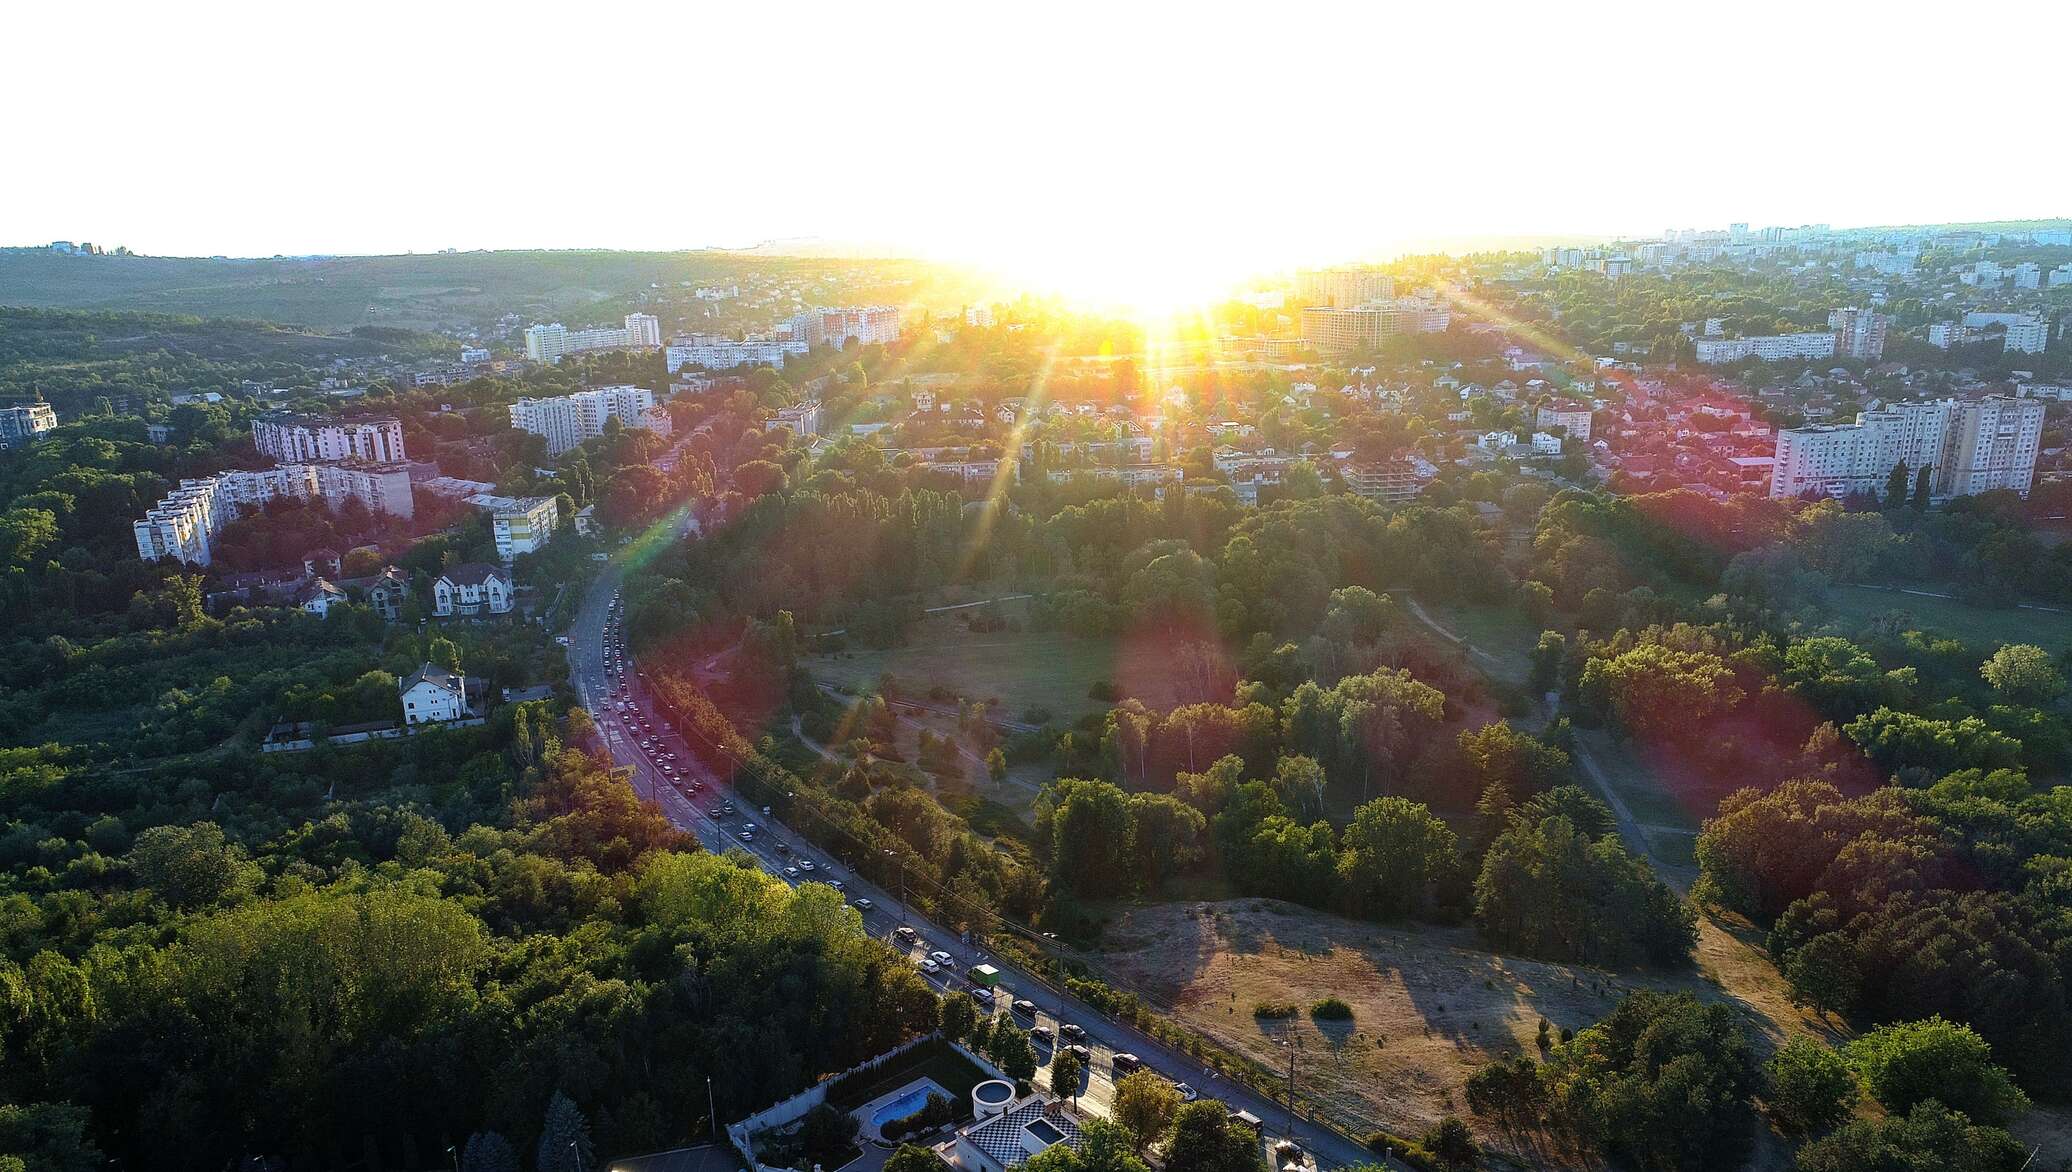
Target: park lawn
(1982,627)
(1501,630)
(1022,669)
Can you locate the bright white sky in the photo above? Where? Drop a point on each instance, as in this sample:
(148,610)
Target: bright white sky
(1190,138)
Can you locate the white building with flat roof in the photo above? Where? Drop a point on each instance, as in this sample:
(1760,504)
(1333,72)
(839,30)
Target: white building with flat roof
(1364,327)
(866,325)
(293,439)
(184,524)
(23,422)
(714,353)
(1768,347)
(567,420)
(554,341)
(522,524)
(1972,446)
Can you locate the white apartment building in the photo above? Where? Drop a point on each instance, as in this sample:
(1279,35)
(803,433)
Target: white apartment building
(1859,333)
(865,324)
(1575,417)
(23,422)
(2028,275)
(550,343)
(291,439)
(1367,326)
(717,353)
(1768,347)
(801,420)
(1973,446)
(186,521)
(567,420)
(2026,333)
(522,524)
(1343,287)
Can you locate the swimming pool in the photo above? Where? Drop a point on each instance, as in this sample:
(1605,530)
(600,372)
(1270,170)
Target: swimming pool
(908,1102)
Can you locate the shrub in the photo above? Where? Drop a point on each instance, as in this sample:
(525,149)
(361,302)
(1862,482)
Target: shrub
(1331,1009)
(1275,1009)
(1810,1086)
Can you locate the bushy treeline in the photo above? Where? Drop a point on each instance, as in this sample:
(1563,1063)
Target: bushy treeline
(385,973)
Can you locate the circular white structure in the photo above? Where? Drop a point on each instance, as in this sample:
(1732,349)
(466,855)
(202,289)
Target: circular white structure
(990,1098)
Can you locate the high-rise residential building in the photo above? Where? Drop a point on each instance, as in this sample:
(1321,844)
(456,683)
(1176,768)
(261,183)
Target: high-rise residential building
(185,523)
(2026,333)
(291,439)
(1367,326)
(1343,287)
(1972,446)
(1859,333)
(550,343)
(567,420)
(866,325)
(23,422)
(1768,347)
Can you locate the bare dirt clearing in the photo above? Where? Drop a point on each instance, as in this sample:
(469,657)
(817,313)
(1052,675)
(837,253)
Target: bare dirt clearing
(1430,1005)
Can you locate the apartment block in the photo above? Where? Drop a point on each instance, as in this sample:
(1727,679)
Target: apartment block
(1343,287)
(716,353)
(1768,347)
(567,420)
(292,439)
(1973,446)
(1859,333)
(1575,417)
(1368,326)
(522,524)
(866,325)
(551,343)
(23,422)
(184,524)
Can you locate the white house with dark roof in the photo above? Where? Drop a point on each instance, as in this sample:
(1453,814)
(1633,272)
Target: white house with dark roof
(432,695)
(387,592)
(1009,1139)
(318,597)
(476,588)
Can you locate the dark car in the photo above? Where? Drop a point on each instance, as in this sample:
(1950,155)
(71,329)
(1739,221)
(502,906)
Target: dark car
(1071,1031)
(1025,1007)
(1127,1063)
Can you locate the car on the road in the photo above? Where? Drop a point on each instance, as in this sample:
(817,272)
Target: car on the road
(1024,1006)
(806,865)
(906,934)
(1126,1063)
(1072,1031)
(1187,1093)
(791,873)
(726,807)
(943,958)
(1085,1056)
(837,884)
(929,966)
(748,827)
(746,836)
(862,903)
(982,995)
(1041,1034)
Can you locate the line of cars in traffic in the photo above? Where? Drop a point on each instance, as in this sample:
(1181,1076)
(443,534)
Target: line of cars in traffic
(802,869)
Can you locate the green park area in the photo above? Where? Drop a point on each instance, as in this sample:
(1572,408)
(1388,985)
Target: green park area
(1983,627)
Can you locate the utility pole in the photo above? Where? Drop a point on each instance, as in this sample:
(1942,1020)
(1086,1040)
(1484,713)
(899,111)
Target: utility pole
(1291,1087)
(710,1109)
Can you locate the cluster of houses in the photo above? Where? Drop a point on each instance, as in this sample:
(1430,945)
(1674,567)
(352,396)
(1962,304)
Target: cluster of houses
(469,590)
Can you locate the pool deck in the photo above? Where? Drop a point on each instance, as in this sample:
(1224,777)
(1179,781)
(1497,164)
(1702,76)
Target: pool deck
(865,1113)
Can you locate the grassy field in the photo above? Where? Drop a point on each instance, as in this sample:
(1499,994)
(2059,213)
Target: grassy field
(1978,626)
(1502,631)
(1430,1005)
(1024,669)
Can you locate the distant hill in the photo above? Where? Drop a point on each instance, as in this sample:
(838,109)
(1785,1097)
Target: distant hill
(419,291)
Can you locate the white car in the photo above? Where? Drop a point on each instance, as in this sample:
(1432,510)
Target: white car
(929,966)
(804,864)
(1187,1093)
(944,959)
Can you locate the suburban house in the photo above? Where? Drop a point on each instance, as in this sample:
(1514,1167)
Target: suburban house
(318,597)
(433,694)
(998,1142)
(472,589)
(387,592)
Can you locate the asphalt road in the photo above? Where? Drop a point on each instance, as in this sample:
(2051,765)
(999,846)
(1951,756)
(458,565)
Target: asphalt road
(598,671)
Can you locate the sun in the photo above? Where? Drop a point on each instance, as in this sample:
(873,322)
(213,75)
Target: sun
(1147,276)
